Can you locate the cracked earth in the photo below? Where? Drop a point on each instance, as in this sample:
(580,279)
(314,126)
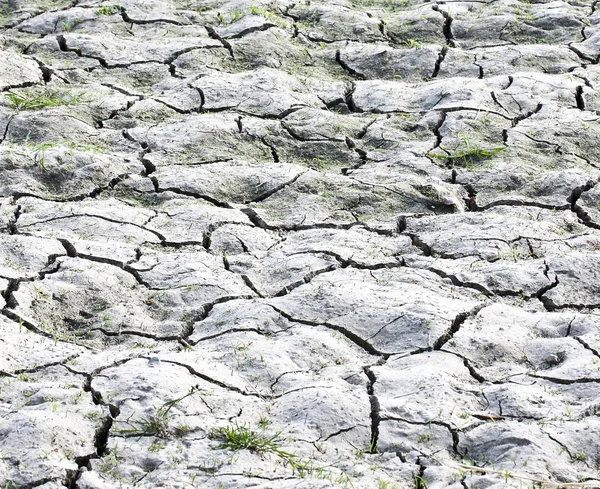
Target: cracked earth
(365,232)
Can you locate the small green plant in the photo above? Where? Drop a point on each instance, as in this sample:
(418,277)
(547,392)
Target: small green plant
(373,445)
(34,152)
(236,15)
(424,438)
(241,437)
(256,10)
(158,423)
(34,99)
(568,411)
(505,474)
(108,9)
(420,482)
(267,14)
(412,43)
(23,377)
(466,153)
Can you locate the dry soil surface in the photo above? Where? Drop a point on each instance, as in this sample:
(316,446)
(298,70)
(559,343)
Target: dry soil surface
(299,244)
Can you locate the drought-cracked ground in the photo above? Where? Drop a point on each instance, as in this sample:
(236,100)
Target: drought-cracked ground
(299,244)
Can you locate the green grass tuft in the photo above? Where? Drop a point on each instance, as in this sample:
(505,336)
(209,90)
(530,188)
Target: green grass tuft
(38,99)
(108,9)
(159,423)
(241,437)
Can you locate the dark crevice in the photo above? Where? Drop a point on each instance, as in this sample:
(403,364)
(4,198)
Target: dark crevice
(39,368)
(577,209)
(419,482)
(436,129)
(546,302)
(103,218)
(398,262)
(18,86)
(418,243)
(273,150)
(439,61)
(375,409)
(447,27)
(381,28)
(354,338)
(210,380)
(496,101)
(362,154)
(337,433)
(255,218)
(174,108)
(103,430)
(250,285)
(77,198)
(521,117)
(226,333)
(6,128)
(349,100)
(583,56)
(522,203)
(455,326)
(63,45)
(149,168)
(46,72)
(569,326)
(453,431)
(274,190)
(202,98)
(304,280)
(580,102)
(7,295)
(189,193)
(344,65)
(32,485)
(562,381)
(213,34)
(207,308)
(251,30)
(552,307)
(363,132)
(297,136)
(129,20)
(555,147)
(472,372)
(207,241)
(73,253)
(470,285)
(12,223)
(154,181)
(586,345)
(562,445)
(25,323)
(102,433)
